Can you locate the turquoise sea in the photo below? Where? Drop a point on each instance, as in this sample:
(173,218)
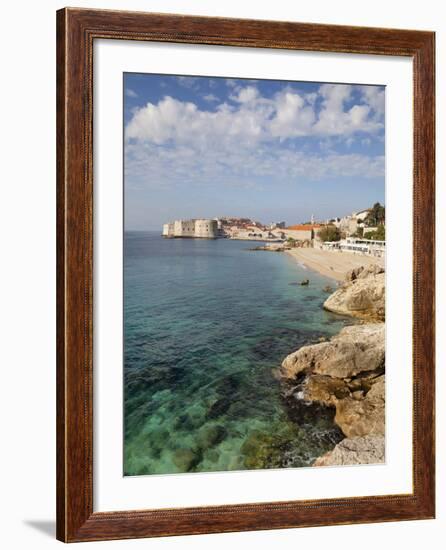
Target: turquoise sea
(206,323)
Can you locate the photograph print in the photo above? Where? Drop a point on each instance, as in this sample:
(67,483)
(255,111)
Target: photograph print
(254,274)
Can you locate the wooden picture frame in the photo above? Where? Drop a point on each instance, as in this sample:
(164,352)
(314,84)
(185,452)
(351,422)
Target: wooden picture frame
(76,31)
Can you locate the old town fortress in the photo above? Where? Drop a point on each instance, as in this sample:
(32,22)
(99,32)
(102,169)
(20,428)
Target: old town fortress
(199,228)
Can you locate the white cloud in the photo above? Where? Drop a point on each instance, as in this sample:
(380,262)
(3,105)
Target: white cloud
(187,81)
(293,116)
(211,98)
(130,93)
(182,165)
(255,118)
(176,142)
(246,95)
(335,119)
(349,142)
(374,96)
(182,122)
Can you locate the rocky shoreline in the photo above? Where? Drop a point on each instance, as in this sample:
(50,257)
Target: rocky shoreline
(347,373)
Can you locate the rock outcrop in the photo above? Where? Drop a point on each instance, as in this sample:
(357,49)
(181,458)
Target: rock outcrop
(355,349)
(363,413)
(347,372)
(357,450)
(362,294)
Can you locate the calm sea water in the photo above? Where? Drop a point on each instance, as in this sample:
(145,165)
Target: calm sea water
(206,322)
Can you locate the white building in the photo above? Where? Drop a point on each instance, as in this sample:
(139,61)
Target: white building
(350,224)
(362,215)
(198,229)
(358,246)
(168,229)
(277,225)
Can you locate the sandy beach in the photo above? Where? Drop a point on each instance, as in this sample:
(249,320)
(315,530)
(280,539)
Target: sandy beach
(331,263)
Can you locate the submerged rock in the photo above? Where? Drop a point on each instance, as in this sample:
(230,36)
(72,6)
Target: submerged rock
(218,408)
(211,435)
(265,450)
(186,459)
(357,450)
(189,421)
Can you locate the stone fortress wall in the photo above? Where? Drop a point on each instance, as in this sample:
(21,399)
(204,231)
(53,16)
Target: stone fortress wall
(184,228)
(199,228)
(206,229)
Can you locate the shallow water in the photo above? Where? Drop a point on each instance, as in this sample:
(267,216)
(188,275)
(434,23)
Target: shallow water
(206,322)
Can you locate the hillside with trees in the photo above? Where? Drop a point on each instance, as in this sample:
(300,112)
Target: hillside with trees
(376,216)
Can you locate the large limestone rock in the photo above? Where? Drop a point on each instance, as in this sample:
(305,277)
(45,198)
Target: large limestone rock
(362,295)
(359,415)
(355,349)
(363,271)
(346,373)
(325,389)
(357,450)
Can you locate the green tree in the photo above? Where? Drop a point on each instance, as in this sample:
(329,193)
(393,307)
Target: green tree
(329,233)
(376,216)
(378,235)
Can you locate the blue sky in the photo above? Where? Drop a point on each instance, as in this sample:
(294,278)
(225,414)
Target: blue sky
(269,150)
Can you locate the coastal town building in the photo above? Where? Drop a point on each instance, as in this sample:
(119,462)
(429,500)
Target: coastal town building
(362,214)
(195,228)
(302,232)
(277,225)
(350,224)
(358,246)
(353,229)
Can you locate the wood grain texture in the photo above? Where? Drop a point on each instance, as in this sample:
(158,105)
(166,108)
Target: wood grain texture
(76,31)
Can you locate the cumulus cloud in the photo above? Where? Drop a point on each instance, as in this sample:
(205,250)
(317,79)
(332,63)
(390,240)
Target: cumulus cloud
(130,93)
(374,96)
(335,119)
(294,116)
(181,122)
(286,115)
(255,136)
(187,81)
(211,98)
(246,95)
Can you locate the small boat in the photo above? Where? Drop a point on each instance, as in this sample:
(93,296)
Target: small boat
(305,282)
